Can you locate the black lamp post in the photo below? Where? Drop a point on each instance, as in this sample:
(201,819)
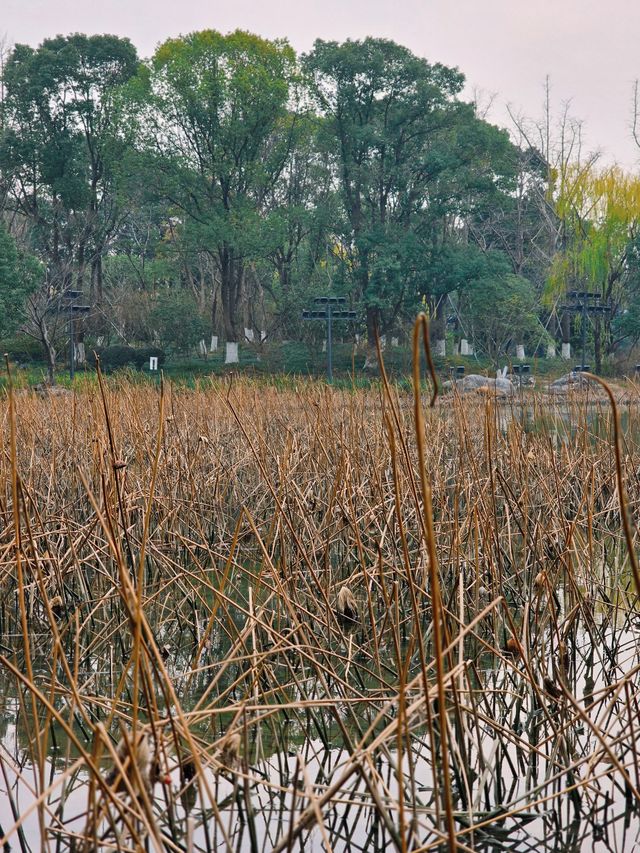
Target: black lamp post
(586,304)
(72,309)
(328,312)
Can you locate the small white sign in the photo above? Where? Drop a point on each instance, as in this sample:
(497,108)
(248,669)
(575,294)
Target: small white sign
(153,362)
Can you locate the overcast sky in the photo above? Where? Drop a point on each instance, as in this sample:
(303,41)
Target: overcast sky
(589,49)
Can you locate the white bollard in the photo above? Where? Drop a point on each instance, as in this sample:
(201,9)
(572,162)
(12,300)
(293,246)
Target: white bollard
(464,347)
(231,354)
(213,347)
(441,347)
(520,352)
(566,351)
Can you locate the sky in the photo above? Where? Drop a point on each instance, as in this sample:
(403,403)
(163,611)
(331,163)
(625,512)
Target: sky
(588,49)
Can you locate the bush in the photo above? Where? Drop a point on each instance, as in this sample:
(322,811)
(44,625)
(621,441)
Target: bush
(22,348)
(177,322)
(146,353)
(121,355)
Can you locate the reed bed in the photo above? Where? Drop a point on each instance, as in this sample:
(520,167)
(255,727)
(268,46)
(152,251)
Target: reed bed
(241,617)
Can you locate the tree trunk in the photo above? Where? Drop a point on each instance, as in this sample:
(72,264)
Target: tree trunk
(96,278)
(565,324)
(438,325)
(597,344)
(50,353)
(373,328)
(231,273)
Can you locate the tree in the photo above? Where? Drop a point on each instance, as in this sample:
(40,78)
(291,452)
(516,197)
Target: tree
(213,114)
(300,213)
(501,307)
(601,211)
(18,278)
(56,152)
(409,157)
(176,321)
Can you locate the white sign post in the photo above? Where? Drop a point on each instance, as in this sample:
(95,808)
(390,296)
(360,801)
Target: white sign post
(153,362)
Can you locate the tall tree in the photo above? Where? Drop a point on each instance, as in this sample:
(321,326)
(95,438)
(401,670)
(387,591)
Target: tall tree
(18,279)
(601,212)
(405,147)
(56,149)
(211,109)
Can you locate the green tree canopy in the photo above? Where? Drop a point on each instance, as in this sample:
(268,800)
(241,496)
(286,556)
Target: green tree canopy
(213,113)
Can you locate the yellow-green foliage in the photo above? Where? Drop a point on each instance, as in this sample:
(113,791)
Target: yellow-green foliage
(599,213)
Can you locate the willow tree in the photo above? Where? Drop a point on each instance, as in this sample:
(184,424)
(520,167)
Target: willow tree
(600,209)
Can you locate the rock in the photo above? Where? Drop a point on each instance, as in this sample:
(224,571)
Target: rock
(481,385)
(570,382)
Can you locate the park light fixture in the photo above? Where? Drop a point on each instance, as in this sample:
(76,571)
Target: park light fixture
(329,310)
(586,304)
(71,309)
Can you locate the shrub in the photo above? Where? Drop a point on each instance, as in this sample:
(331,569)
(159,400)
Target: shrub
(121,355)
(21,348)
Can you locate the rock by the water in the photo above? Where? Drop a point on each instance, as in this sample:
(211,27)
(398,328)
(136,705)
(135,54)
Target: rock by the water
(482,385)
(570,382)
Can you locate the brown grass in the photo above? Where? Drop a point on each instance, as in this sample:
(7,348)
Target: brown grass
(175,566)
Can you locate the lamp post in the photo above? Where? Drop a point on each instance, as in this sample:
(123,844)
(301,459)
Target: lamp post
(72,309)
(586,304)
(328,312)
